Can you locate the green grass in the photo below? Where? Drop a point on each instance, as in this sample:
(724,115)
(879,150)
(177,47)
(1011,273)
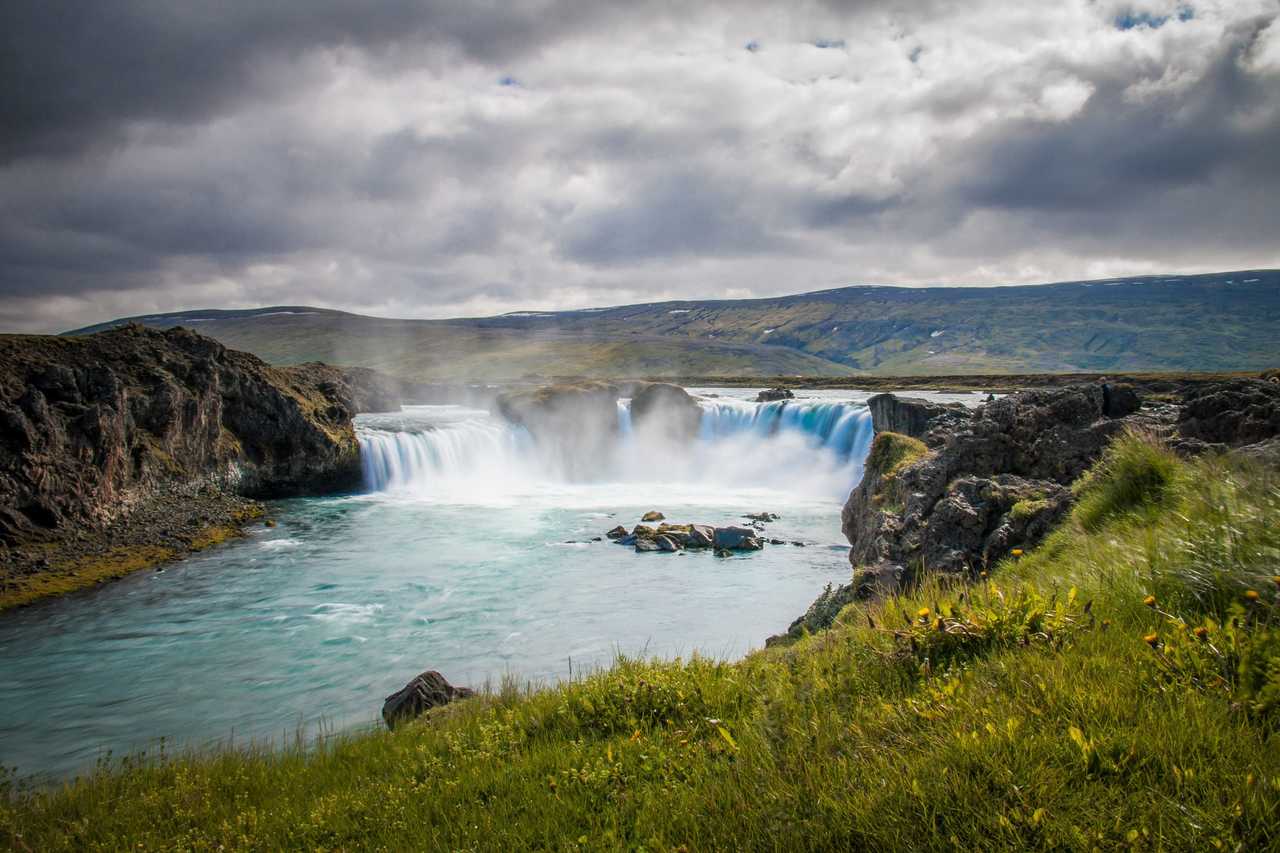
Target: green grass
(1055,706)
(891,452)
(1137,475)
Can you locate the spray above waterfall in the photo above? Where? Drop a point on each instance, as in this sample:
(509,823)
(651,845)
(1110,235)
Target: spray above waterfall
(811,448)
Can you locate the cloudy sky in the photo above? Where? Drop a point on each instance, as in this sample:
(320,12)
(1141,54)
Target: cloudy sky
(425,158)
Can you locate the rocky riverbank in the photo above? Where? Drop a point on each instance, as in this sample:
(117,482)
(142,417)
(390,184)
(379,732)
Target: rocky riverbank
(127,448)
(950,490)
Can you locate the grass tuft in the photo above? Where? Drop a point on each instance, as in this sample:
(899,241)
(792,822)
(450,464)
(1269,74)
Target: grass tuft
(1136,472)
(891,452)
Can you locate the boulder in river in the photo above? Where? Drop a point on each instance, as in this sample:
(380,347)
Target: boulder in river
(576,423)
(647,545)
(737,539)
(617,532)
(762,517)
(652,515)
(665,410)
(771,395)
(643,531)
(680,533)
(701,536)
(666,543)
(428,690)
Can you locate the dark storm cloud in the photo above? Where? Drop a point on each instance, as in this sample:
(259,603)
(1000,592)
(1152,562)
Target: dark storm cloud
(433,158)
(1116,152)
(73,71)
(1193,167)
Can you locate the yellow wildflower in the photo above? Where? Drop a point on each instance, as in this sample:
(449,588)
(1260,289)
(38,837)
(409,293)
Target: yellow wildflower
(1017,552)
(1251,594)
(1150,601)
(1152,640)
(1201,632)
(923,613)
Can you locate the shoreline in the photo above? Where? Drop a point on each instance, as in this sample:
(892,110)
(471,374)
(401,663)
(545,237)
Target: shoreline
(165,530)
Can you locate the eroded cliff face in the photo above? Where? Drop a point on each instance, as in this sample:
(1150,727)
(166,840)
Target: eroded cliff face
(994,481)
(961,490)
(97,429)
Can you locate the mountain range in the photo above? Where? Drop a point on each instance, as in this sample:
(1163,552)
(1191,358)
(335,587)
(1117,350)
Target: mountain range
(1212,322)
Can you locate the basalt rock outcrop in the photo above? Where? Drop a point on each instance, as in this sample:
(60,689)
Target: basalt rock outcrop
(915,417)
(954,492)
(992,480)
(557,410)
(1235,413)
(665,410)
(770,395)
(577,424)
(362,389)
(574,424)
(136,422)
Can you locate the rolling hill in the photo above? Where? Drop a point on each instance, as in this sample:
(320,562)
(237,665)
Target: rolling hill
(1216,322)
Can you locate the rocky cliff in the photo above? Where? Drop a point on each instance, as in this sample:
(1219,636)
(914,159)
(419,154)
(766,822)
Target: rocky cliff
(151,438)
(957,491)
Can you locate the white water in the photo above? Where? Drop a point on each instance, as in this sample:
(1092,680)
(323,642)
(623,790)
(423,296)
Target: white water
(806,448)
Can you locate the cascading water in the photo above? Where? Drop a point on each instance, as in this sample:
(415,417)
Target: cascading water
(842,428)
(448,442)
(811,447)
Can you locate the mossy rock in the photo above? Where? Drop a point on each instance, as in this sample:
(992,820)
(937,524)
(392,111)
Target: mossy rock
(891,452)
(1025,509)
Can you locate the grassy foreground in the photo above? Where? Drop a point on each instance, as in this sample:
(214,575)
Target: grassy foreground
(1117,688)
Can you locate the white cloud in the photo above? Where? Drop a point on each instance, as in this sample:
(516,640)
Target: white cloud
(646,153)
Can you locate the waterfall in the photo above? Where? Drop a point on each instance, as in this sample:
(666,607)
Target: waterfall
(843,428)
(624,418)
(813,447)
(433,443)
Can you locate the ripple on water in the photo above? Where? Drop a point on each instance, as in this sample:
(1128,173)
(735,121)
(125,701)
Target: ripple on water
(344,641)
(343,612)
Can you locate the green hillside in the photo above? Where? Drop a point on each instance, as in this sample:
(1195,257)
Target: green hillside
(433,350)
(1226,321)
(1220,322)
